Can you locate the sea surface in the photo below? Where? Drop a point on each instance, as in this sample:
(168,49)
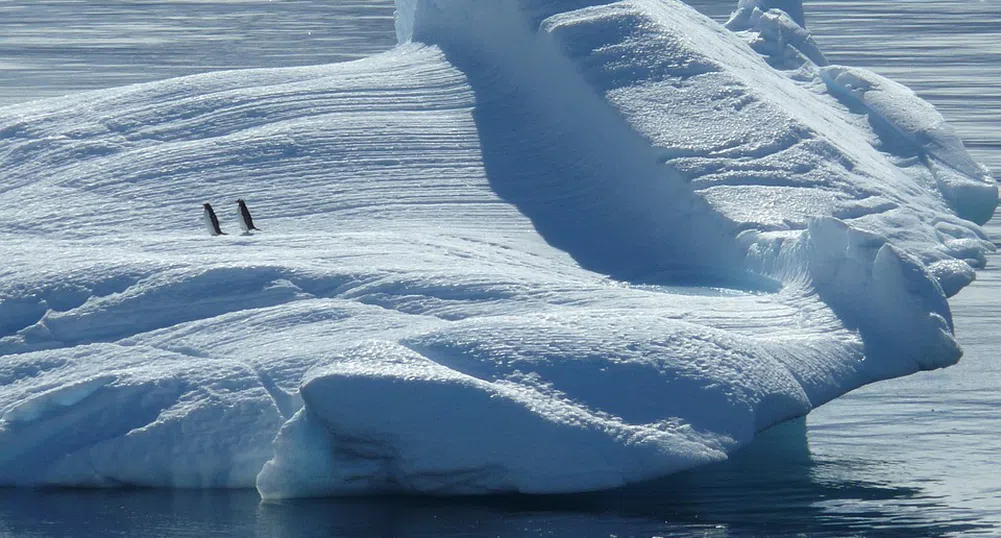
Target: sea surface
(916,456)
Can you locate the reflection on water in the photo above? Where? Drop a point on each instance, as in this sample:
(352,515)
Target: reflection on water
(773,488)
(50,48)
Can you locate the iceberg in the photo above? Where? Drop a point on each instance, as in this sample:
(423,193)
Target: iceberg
(541,246)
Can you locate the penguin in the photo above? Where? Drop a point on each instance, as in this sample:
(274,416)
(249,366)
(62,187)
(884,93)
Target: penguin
(211,222)
(243,216)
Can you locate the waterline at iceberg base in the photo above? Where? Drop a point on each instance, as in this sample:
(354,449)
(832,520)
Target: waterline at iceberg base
(541,246)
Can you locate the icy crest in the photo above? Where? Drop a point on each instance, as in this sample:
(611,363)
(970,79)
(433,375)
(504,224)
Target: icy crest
(541,246)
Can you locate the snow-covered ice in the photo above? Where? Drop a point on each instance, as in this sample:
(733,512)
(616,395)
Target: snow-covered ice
(541,246)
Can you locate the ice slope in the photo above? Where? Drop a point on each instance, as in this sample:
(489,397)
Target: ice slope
(542,246)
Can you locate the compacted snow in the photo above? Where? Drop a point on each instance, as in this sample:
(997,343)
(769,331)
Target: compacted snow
(541,246)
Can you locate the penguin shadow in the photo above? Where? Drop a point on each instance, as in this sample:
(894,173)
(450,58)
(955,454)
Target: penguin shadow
(243,217)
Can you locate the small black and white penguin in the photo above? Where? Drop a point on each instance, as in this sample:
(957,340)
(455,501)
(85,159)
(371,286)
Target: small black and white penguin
(211,222)
(243,215)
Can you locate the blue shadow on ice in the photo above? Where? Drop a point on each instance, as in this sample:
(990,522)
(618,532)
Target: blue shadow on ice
(591,185)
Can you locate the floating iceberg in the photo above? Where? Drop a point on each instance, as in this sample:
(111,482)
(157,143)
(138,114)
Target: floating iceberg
(541,246)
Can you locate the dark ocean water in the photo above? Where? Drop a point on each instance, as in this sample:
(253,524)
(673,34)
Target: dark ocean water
(917,456)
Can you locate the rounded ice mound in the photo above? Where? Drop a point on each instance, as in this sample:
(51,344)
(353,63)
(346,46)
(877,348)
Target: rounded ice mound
(897,114)
(534,404)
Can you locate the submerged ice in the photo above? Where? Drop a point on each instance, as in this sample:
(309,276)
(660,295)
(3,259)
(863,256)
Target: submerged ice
(541,246)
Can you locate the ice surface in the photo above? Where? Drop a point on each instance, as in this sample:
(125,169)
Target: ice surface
(542,246)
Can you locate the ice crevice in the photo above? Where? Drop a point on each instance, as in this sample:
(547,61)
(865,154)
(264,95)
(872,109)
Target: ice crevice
(542,246)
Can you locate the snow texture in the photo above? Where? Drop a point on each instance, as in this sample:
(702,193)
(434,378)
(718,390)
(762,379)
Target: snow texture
(541,246)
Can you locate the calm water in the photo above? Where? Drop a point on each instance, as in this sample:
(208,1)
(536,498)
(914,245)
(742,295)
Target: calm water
(916,456)
(54,47)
